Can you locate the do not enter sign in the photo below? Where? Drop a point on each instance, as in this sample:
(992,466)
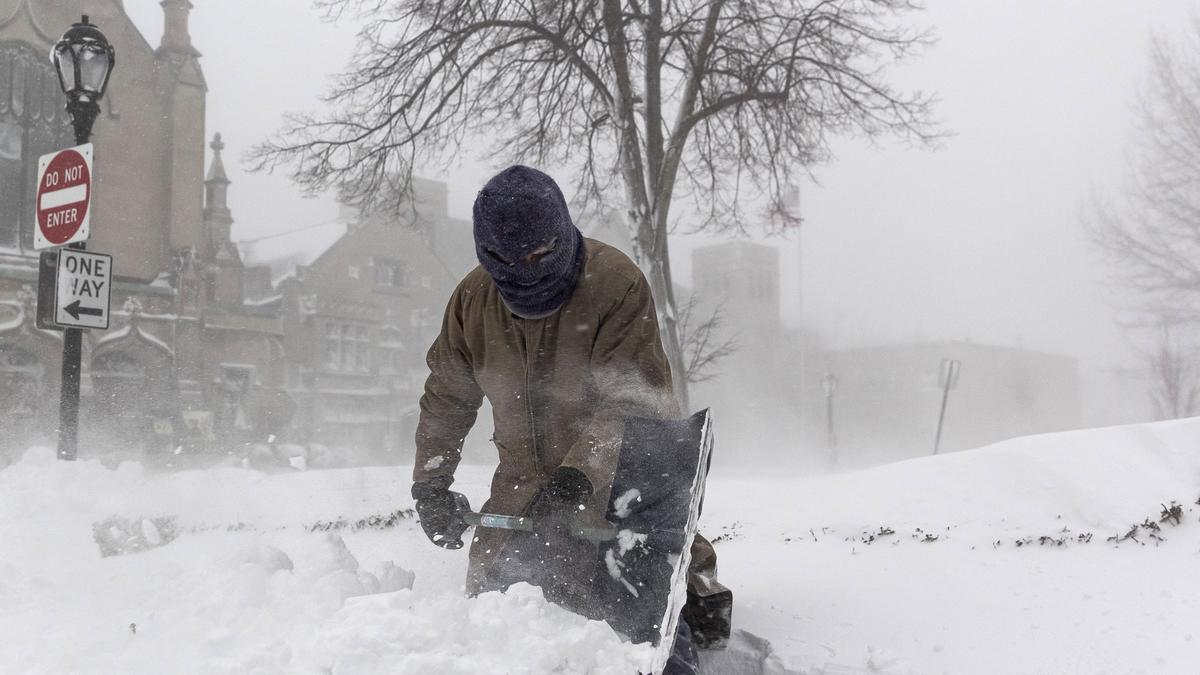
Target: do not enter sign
(64,193)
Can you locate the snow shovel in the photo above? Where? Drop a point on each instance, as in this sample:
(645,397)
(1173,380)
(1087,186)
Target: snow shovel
(639,582)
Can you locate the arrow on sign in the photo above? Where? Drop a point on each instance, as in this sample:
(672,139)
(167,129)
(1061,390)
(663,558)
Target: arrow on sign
(75,310)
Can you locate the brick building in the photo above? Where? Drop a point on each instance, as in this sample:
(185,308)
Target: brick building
(189,357)
(361,299)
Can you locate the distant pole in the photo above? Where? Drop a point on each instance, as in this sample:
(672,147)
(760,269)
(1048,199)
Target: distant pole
(84,61)
(948,379)
(830,384)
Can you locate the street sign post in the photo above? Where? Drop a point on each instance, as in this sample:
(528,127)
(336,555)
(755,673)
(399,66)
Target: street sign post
(947,379)
(64,197)
(82,289)
(83,59)
(830,383)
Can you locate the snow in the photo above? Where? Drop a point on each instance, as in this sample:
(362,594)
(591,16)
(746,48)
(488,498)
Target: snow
(616,570)
(247,588)
(258,302)
(621,505)
(121,334)
(806,573)
(912,567)
(627,540)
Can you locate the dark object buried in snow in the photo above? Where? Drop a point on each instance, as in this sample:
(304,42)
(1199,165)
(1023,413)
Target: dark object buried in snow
(118,536)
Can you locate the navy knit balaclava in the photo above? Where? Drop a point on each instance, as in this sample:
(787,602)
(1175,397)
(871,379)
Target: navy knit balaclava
(521,211)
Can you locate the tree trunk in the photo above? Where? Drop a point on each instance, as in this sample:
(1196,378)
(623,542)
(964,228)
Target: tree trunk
(650,257)
(664,298)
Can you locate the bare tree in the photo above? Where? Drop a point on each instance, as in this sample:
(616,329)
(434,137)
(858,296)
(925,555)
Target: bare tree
(715,103)
(1152,235)
(1175,389)
(703,341)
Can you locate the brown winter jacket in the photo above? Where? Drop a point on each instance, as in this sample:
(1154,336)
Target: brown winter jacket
(560,386)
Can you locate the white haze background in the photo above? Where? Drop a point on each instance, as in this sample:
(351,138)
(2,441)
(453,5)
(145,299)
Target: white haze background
(978,240)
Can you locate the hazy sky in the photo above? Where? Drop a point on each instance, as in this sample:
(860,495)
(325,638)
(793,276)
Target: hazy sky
(978,240)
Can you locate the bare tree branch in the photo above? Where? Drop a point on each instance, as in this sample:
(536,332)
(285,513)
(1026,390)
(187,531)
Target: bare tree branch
(1175,388)
(711,105)
(1152,235)
(704,347)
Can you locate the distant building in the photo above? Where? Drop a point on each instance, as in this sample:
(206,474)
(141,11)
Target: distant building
(189,359)
(770,396)
(886,399)
(742,278)
(361,300)
(754,391)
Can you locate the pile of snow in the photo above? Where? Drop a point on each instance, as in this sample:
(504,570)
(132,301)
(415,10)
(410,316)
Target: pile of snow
(1042,554)
(260,594)
(1007,559)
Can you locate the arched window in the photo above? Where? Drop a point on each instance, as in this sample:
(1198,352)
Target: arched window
(33,122)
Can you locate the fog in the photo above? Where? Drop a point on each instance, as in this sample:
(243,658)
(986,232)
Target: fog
(975,240)
(268,477)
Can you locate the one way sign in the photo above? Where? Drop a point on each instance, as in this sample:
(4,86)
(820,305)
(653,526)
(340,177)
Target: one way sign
(82,289)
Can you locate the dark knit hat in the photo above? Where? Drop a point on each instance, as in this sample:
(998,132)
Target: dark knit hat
(526,241)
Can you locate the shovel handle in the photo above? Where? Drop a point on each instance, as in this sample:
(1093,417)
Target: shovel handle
(498,522)
(522,524)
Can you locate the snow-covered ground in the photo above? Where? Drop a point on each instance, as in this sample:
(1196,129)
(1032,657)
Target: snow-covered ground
(944,564)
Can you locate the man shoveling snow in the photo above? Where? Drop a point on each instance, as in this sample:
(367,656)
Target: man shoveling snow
(560,333)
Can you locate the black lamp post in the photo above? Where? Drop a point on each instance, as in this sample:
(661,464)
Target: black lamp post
(84,60)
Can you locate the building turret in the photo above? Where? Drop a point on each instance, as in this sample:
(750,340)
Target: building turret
(176,37)
(183,90)
(217,217)
(221,254)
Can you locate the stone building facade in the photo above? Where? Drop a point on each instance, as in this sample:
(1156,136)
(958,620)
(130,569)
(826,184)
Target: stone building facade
(361,300)
(189,358)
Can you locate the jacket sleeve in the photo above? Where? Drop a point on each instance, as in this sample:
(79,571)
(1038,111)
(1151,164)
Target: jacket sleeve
(633,377)
(451,400)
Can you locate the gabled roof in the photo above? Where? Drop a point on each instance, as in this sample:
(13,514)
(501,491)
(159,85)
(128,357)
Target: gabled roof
(51,18)
(44,16)
(134,332)
(448,240)
(285,251)
(216,170)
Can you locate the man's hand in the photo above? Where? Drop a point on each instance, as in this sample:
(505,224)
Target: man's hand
(568,490)
(440,511)
(556,509)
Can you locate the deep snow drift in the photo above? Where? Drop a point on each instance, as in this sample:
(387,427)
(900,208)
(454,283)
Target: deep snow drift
(1020,557)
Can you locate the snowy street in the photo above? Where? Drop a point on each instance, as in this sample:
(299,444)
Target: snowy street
(752,338)
(934,565)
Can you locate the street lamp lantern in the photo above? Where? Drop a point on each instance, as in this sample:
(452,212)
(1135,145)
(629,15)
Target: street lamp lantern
(84,60)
